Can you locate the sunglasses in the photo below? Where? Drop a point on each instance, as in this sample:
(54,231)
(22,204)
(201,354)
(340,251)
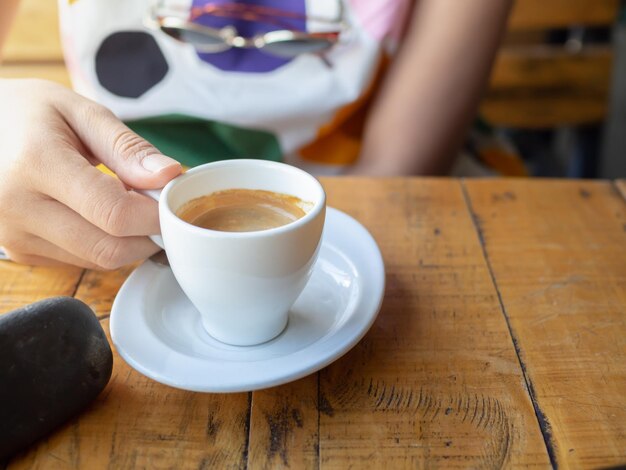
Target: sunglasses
(285,42)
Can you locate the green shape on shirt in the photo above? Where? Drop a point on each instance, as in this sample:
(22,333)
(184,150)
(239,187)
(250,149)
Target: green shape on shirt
(194,141)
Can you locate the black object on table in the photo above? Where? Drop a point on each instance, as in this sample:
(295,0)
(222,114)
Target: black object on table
(54,360)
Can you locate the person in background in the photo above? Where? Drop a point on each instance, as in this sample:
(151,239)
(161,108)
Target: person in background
(351,87)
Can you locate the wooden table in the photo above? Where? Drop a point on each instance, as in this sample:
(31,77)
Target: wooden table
(501,342)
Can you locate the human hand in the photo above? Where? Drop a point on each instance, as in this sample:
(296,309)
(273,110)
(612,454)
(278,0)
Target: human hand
(55,206)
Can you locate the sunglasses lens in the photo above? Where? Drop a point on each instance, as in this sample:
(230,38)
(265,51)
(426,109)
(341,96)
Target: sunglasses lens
(295,47)
(202,42)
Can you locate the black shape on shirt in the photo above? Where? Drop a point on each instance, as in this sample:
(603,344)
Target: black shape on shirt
(130,63)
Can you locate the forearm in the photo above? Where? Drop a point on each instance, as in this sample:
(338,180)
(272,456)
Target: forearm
(7,13)
(432,91)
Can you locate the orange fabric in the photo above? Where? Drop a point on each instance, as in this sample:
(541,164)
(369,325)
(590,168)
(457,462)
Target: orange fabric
(505,163)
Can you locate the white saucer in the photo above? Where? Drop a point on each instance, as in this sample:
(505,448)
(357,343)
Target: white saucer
(158,331)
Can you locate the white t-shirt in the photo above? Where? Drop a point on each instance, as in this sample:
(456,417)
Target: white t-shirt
(306,110)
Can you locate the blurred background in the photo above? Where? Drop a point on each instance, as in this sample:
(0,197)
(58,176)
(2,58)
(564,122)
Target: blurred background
(558,88)
(556,98)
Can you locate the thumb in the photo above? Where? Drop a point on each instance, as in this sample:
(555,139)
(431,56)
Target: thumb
(135,161)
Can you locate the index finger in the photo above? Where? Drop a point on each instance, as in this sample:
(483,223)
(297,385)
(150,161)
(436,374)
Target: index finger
(99,198)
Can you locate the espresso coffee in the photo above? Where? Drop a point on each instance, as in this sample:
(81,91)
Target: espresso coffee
(243,210)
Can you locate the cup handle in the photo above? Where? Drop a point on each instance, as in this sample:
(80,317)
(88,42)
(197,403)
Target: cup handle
(156,195)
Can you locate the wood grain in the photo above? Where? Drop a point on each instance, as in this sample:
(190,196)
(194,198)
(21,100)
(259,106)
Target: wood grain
(543,14)
(284,426)
(21,285)
(436,382)
(139,423)
(557,253)
(34,36)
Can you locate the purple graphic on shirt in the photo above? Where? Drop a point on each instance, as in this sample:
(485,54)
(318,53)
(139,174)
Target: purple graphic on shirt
(250,60)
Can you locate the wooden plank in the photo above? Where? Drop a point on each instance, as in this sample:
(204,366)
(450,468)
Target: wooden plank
(436,382)
(557,254)
(139,423)
(544,111)
(284,426)
(542,66)
(21,285)
(621,187)
(34,36)
(543,14)
(542,87)
(52,71)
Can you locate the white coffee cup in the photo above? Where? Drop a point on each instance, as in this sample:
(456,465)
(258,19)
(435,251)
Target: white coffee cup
(242,283)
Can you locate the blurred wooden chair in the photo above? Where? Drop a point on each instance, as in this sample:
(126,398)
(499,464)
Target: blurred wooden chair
(539,84)
(535,84)
(33,47)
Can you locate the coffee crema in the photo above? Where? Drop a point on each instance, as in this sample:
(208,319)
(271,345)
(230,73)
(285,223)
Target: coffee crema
(243,210)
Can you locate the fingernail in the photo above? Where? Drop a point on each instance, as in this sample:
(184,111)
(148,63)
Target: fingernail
(155,163)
